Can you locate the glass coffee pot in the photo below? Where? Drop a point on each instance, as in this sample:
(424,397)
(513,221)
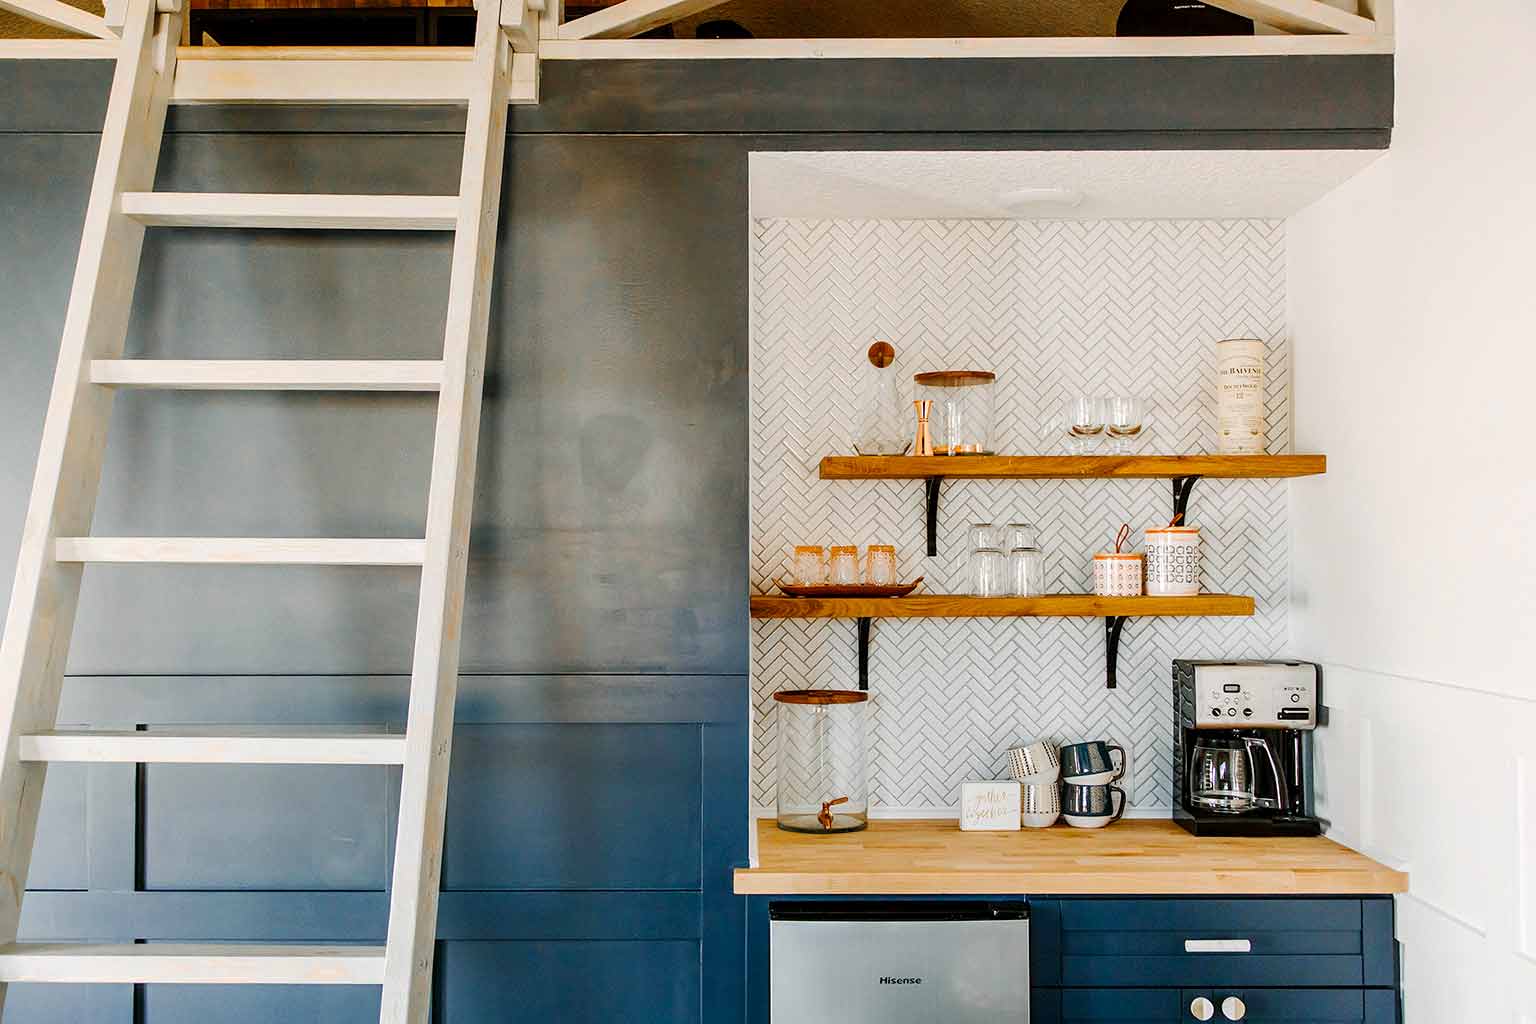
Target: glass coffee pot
(1222,771)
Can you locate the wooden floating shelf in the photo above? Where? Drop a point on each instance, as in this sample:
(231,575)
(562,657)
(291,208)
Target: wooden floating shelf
(1113,610)
(1069,467)
(960,606)
(1183,470)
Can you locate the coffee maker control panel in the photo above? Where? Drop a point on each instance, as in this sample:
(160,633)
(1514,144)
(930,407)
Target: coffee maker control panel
(1255,696)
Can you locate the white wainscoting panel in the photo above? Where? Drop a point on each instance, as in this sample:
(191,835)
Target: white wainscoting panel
(1435,780)
(1053,308)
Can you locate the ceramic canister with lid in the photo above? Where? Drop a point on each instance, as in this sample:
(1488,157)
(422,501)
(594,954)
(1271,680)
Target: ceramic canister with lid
(1118,573)
(1173,561)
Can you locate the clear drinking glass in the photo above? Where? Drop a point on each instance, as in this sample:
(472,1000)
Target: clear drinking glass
(1084,417)
(989,573)
(1123,422)
(983,535)
(1021,535)
(880,565)
(1026,572)
(810,565)
(844,568)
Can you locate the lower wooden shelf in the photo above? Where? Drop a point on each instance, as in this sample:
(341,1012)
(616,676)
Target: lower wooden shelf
(1114,611)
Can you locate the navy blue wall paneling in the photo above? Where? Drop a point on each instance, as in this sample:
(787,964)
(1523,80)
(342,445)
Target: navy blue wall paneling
(574,807)
(598,801)
(570,982)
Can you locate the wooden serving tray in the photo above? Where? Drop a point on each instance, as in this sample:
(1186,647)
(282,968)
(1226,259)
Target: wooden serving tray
(847,589)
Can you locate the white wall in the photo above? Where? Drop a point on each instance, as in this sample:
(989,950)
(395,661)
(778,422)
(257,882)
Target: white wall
(1413,310)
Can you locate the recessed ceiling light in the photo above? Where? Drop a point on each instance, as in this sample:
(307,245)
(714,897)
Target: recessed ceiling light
(1020,197)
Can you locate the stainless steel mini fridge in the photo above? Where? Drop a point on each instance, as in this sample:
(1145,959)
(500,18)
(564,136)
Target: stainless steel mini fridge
(899,962)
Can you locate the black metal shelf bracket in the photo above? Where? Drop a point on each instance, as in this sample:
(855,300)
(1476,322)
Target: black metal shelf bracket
(931,486)
(1182,487)
(1113,624)
(863,624)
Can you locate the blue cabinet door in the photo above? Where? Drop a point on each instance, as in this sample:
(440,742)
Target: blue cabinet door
(1288,943)
(1283,1006)
(1174,1006)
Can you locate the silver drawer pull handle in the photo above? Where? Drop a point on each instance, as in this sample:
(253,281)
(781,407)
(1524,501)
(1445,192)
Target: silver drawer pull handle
(1218,946)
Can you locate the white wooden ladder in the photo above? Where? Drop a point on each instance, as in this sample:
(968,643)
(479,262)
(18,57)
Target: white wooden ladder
(57,545)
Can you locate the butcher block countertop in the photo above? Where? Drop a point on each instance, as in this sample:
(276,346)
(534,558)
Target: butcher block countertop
(1131,857)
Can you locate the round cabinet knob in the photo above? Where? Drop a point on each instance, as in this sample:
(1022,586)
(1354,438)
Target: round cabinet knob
(1202,1008)
(1233,1008)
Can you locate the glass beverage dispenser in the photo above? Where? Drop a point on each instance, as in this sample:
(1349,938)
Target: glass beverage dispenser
(822,773)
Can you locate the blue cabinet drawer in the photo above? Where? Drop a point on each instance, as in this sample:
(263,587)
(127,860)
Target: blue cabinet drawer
(1281,943)
(1172,1006)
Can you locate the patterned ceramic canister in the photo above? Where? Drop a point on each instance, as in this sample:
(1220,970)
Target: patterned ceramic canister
(1173,561)
(1117,575)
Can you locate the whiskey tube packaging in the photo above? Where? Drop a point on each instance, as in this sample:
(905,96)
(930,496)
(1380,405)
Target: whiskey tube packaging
(1240,396)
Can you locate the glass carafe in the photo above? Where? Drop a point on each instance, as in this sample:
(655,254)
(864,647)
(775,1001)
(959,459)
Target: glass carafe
(885,422)
(1221,773)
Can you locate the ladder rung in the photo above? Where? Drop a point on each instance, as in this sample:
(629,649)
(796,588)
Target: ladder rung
(270,375)
(239,551)
(192,965)
(203,748)
(256,210)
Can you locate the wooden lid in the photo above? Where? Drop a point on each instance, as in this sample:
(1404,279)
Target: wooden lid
(882,354)
(955,378)
(1121,555)
(821,696)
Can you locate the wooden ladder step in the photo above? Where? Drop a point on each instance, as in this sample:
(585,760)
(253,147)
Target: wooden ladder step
(256,210)
(167,964)
(240,551)
(270,375)
(204,748)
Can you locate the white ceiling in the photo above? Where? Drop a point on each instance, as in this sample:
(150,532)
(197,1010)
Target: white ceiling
(1139,185)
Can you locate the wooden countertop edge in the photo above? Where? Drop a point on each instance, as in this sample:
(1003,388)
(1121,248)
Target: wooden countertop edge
(1087,882)
(1141,857)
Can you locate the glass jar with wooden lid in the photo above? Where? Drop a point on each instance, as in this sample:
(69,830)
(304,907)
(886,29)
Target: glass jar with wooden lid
(823,777)
(963,409)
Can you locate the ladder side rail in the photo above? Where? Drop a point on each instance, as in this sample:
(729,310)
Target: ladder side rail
(434,675)
(46,592)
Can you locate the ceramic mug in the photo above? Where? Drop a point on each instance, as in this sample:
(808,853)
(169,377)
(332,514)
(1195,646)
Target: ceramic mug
(1091,806)
(1034,763)
(1041,804)
(1092,763)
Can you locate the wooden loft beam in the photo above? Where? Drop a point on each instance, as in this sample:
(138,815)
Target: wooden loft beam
(1382,13)
(632,17)
(60,15)
(1299,15)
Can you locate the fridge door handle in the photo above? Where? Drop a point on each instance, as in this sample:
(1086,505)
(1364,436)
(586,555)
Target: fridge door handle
(1218,946)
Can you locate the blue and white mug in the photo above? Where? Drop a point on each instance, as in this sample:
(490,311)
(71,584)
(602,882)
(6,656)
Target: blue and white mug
(1091,806)
(1092,763)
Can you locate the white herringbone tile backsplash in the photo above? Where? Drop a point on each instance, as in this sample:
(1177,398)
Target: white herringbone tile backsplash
(1054,308)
